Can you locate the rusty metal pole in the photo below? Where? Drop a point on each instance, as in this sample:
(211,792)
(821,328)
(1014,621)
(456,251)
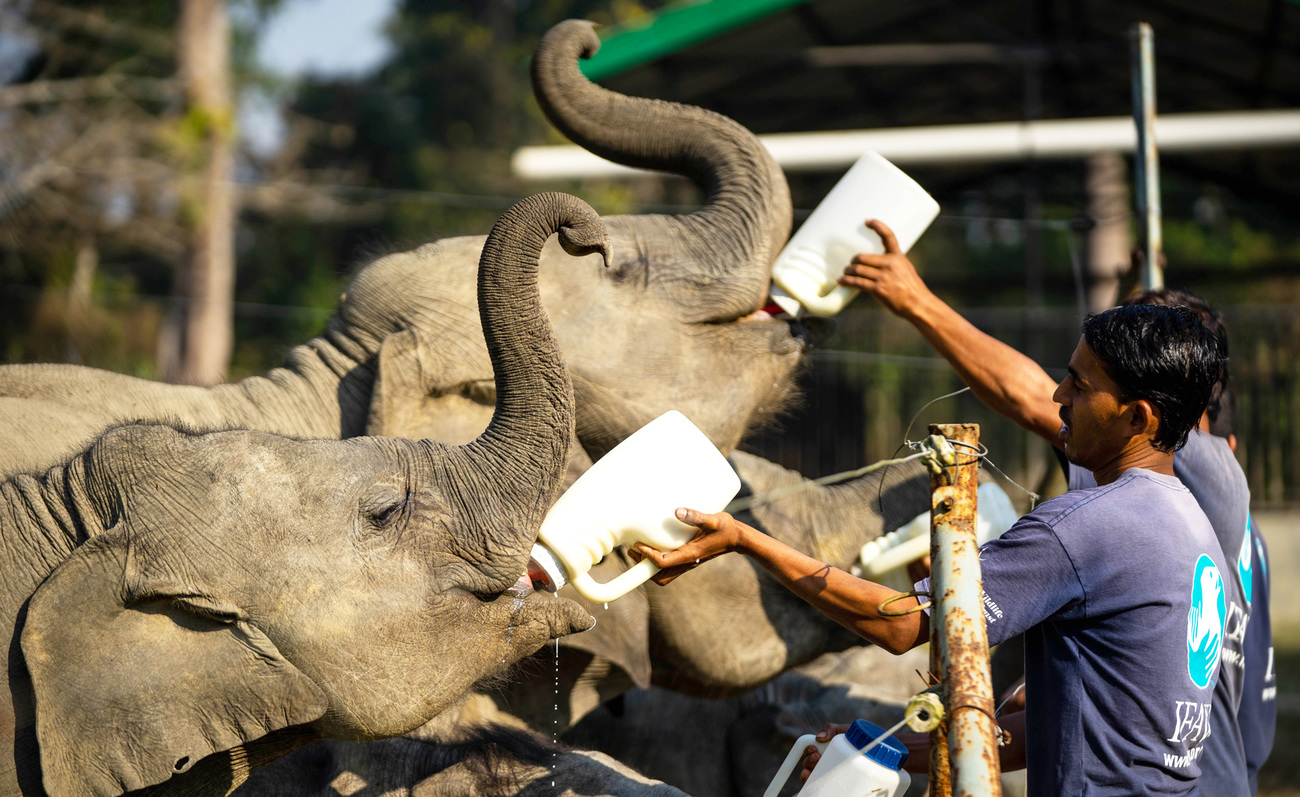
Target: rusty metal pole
(1146,159)
(959,637)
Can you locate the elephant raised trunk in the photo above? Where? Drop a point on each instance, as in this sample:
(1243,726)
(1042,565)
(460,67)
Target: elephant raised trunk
(523,452)
(734,239)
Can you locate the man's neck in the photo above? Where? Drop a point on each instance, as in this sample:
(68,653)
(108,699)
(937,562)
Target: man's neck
(1139,453)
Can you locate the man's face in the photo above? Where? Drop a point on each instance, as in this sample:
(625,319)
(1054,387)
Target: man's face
(1095,422)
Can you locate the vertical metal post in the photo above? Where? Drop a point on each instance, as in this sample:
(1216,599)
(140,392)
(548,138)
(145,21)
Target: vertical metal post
(940,784)
(1147,160)
(958,634)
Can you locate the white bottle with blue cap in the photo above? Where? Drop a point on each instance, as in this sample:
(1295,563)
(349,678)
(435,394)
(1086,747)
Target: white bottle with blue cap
(861,762)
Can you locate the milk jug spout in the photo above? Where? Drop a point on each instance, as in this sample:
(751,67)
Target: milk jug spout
(806,270)
(630,496)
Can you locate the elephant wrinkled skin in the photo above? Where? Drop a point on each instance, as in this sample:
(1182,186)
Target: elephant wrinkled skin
(404,355)
(184,605)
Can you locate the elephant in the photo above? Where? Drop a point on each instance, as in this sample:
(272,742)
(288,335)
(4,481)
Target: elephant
(673,323)
(583,689)
(453,757)
(672,636)
(184,605)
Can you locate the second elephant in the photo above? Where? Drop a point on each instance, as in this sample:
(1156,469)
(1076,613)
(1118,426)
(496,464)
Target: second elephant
(669,325)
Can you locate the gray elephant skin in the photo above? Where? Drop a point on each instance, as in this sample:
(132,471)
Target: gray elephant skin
(453,757)
(404,356)
(659,329)
(726,744)
(184,606)
(666,327)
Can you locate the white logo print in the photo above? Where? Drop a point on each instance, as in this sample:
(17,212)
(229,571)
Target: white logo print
(1243,562)
(1205,623)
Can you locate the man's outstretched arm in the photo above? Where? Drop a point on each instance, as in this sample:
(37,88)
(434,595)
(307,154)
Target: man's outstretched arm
(1001,377)
(850,601)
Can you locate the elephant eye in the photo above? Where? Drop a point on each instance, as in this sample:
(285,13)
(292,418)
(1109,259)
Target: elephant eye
(383,516)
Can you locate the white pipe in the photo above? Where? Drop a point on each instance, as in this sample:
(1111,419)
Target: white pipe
(999,141)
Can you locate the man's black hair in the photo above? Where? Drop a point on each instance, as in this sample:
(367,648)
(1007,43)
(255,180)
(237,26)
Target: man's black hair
(1223,421)
(1213,321)
(1164,355)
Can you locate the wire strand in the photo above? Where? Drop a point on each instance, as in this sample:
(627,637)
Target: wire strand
(741,504)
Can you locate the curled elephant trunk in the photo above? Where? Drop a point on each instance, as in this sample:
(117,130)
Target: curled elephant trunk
(520,458)
(735,238)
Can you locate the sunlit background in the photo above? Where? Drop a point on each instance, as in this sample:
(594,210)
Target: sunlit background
(348,129)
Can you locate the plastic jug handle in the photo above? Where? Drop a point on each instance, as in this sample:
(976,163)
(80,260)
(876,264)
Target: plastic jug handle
(809,296)
(831,303)
(792,758)
(617,587)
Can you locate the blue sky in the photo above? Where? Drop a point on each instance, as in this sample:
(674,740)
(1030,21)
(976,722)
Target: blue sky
(319,37)
(325,37)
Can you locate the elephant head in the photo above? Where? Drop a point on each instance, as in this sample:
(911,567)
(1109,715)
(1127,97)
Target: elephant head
(674,323)
(214,588)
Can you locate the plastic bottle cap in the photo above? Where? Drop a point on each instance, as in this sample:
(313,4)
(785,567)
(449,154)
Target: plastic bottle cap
(545,570)
(889,753)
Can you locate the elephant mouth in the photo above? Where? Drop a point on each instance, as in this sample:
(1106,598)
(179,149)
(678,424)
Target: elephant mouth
(791,329)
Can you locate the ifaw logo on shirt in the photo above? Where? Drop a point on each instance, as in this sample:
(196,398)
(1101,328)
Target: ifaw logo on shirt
(1205,623)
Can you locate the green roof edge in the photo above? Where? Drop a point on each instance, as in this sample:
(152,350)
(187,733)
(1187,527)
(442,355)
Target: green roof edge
(676,27)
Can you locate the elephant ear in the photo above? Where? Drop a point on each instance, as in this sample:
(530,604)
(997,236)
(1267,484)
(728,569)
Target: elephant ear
(399,383)
(135,681)
(410,376)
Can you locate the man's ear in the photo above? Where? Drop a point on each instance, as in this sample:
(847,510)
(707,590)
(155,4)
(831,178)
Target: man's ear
(1146,418)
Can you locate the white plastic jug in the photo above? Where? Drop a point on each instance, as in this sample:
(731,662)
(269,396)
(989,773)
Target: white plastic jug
(630,496)
(844,770)
(884,560)
(873,188)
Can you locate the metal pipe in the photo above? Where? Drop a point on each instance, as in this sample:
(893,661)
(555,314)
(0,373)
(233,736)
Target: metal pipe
(1147,159)
(979,143)
(957,620)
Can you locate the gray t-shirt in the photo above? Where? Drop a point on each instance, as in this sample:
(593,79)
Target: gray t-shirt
(1207,467)
(1257,715)
(1119,591)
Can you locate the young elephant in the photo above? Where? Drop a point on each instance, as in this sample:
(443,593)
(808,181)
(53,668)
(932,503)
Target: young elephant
(670,324)
(182,607)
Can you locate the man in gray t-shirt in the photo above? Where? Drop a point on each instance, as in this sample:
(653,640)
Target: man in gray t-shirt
(1018,388)
(1208,468)
(1119,590)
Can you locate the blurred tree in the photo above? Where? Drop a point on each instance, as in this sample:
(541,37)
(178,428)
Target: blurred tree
(118,137)
(197,351)
(77,163)
(442,116)
(120,169)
